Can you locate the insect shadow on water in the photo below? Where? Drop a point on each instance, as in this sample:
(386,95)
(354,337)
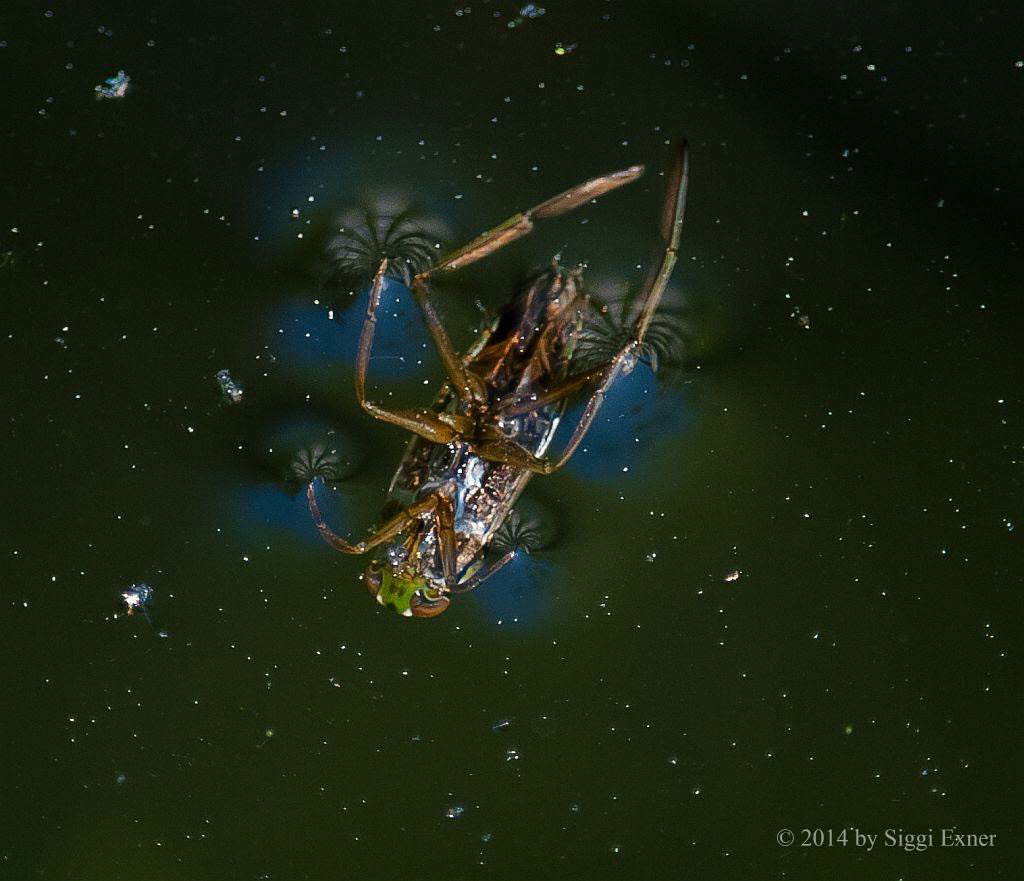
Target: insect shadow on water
(348,255)
(519,532)
(406,238)
(286,446)
(520,594)
(609,325)
(305,453)
(276,449)
(318,460)
(648,403)
(491,425)
(304,341)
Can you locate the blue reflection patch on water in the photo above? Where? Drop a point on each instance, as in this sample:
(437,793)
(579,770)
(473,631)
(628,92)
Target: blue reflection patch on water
(636,414)
(270,507)
(306,334)
(517,596)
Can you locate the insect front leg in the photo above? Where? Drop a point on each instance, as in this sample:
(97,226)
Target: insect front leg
(397,524)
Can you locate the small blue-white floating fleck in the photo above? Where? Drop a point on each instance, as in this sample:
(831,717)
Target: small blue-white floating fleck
(530,10)
(230,390)
(138,596)
(455,811)
(113,87)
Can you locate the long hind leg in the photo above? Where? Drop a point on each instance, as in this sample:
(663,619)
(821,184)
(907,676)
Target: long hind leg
(672,214)
(502,450)
(466,384)
(422,422)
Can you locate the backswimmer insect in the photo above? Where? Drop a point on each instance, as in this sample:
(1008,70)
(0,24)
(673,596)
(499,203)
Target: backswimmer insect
(488,431)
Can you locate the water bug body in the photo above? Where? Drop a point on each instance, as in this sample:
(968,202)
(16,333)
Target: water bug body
(490,428)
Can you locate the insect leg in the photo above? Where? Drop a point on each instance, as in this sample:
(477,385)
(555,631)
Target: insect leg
(478,579)
(611,373)
(671,230)
(445,519)
(517,226)
(466,385)
(520,225)
(399,523)
(421,422)
(516,405)
(501,449)
(509,452)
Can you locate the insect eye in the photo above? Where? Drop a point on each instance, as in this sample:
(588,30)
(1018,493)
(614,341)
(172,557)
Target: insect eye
(428,603)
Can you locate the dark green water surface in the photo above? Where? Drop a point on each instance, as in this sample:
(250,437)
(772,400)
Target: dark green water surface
(610,706)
